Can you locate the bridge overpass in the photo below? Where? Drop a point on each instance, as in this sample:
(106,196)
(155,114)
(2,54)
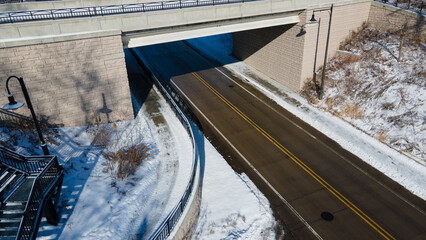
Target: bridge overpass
(85,53)
(157,22)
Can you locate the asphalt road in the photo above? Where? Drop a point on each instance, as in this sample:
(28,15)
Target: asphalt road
(301,171)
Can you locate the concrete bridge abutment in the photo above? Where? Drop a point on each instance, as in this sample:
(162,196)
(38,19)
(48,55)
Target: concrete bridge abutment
(286,53)
(72,79)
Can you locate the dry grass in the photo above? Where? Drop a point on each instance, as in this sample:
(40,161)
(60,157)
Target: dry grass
(382,136)
(310,91)
(352,110)
(127,159)
(20,128)
(124,161)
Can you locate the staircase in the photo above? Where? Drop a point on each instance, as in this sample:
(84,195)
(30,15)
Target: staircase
(10,219)
(29,187)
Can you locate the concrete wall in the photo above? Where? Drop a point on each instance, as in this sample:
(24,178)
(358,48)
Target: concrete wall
(389,18)
(70,81)
(286,54)
(155,20)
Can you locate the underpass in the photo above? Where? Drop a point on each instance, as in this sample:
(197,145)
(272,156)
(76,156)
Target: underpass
(304,174)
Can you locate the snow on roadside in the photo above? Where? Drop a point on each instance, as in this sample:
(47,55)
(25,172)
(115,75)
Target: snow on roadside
(231,207)
(407,172)
(95,204)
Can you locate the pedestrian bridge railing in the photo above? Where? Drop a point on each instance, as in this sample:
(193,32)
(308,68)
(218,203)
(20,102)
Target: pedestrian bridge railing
(54,14)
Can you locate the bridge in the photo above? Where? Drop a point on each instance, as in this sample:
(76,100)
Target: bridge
(71,52)
(71,56)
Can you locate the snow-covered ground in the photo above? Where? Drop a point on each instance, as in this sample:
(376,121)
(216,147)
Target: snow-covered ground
(376,93)
(95,204)
(409,172)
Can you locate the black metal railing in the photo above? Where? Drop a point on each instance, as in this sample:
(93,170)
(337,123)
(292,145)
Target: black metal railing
(417,6)
(42,186)
(53,14)
(28,165)
(178,105)
(10,119)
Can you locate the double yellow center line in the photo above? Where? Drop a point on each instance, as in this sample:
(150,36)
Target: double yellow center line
(337,194)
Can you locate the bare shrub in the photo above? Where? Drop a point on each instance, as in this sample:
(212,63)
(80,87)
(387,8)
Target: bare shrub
(382,136)
(127,159)
(352,36)
(310,91)
(100,131)
(388,106)
(353,111)
(102,136)
(18,128)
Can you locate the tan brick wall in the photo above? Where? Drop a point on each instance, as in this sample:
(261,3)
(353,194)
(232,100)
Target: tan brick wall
(287,56)
(70,81)
(345,19)
(275,51)
(389,18)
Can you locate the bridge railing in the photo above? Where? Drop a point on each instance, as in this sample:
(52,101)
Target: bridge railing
(53,14)
(166,227)
(417,6)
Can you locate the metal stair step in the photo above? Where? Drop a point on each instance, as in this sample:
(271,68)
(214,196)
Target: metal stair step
(12,186)
(9,224)
(5,177)
(8,232)
(6,215)
(14,206)
(10,220)
(3,169)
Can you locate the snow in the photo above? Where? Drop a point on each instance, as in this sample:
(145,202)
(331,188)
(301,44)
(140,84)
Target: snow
(95,204)
(231,206)
(409,172)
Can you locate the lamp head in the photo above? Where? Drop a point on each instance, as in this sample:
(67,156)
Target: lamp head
(12,105)
(313,18)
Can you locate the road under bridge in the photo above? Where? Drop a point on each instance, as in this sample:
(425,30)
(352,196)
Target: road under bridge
(318,189)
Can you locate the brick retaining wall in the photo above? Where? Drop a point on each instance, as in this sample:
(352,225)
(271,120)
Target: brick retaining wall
(389,18)
(286,54)
(70,81)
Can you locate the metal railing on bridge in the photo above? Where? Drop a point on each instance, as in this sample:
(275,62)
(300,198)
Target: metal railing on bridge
(180,108)
(53,14)
(417,6)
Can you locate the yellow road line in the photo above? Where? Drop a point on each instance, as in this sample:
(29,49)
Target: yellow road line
(324,183)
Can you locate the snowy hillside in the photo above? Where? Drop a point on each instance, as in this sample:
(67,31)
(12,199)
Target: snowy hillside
(376,93)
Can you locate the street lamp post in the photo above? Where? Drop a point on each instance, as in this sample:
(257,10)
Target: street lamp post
(314,77)
(321,90)
(13,105)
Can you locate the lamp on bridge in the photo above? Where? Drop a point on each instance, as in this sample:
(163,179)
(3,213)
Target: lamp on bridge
(13,105)
(330,11)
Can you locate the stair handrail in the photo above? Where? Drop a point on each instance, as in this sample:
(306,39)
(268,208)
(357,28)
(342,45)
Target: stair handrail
(42,185)
(26,164)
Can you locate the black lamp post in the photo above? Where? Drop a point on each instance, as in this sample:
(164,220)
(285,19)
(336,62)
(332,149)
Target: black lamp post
(13,105)
(321,90)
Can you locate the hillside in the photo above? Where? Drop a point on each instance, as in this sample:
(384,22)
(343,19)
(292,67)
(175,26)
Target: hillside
(368,87)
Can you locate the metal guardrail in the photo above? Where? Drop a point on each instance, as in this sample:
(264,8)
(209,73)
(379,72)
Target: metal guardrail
(28,165)
(43,184)
(53,14)
(166,227)
(48,174)
(417,6)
